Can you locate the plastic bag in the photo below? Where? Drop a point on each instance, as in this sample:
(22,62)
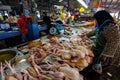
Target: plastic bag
(97,68)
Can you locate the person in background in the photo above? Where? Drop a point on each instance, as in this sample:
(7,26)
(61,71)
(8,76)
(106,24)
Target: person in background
(59,27)
(22,24)
(46,20)
(5,17)
(62,15)
(107,46)
(76,13)
(58,20)
(67,17)
(72,18)
(1,18)
(11,18)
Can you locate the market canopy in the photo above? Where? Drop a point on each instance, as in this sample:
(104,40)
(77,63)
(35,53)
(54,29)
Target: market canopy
(111,5)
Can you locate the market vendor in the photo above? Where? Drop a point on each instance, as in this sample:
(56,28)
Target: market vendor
(46,20)
(22,24)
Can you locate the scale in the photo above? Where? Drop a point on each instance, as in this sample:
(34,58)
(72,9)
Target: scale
(54,29)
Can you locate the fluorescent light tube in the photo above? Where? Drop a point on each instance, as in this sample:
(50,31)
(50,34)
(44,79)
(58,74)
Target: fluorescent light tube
(60,0)
(83,3)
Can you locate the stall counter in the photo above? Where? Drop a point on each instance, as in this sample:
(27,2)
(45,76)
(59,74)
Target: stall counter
(8,34)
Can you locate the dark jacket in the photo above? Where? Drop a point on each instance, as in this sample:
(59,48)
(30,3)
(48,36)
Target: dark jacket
(46,20)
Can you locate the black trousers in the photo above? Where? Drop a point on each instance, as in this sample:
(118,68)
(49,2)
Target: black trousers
(90,74)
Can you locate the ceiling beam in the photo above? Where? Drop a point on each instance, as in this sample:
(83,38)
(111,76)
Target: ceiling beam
(117,7)
(102,2)
(114,4)
(117,3)
(105,3)
(110,3)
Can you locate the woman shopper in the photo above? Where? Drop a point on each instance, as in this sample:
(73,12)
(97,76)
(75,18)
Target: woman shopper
(107,46)
(107,38)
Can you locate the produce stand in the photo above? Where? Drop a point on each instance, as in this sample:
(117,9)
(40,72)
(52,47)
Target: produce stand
(58,57)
